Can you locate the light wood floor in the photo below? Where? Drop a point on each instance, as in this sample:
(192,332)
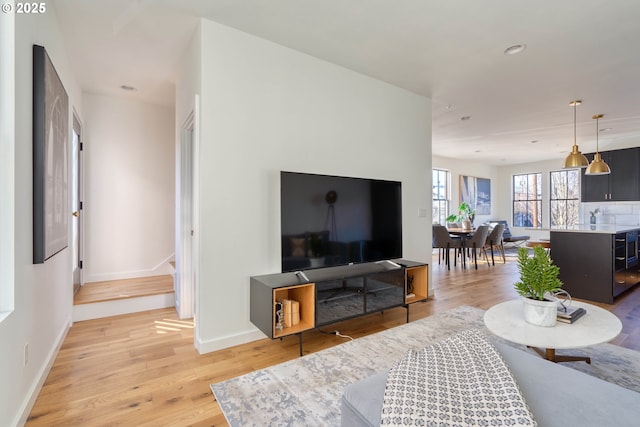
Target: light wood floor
(142,369)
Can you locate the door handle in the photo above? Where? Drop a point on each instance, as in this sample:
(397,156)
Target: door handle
(76,214)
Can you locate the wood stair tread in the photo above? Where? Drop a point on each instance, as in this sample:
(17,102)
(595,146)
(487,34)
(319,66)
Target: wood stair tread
(122,289)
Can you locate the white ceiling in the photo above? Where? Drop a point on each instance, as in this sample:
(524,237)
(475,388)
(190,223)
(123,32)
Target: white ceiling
(448,50)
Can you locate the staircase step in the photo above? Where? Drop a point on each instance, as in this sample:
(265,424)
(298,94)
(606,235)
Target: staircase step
(116,297)
(122,289)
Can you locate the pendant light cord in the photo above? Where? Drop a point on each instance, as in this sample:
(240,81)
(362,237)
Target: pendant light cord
(597,136)
(574,122)
(597,117)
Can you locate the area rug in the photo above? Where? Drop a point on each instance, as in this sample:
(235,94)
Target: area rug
(307,391)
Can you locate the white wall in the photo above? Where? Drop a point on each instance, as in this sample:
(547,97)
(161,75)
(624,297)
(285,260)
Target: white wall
(43,292)
(129,212)
(458,167)
(266,108)
(7,161)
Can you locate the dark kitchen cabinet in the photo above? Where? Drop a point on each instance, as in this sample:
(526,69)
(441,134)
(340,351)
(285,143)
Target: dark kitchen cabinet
(622,184)
(596,266)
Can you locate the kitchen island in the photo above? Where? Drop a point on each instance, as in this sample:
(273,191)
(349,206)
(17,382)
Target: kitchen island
(597,262)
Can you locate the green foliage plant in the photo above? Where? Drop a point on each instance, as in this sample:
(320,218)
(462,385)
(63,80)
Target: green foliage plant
(538,274)
(465,213)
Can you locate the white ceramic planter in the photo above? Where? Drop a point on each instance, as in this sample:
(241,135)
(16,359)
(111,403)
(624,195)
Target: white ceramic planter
(540,313)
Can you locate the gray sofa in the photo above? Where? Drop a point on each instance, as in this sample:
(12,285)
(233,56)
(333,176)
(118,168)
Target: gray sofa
(557,395)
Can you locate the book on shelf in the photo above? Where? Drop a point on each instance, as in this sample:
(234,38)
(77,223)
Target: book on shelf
(291,309)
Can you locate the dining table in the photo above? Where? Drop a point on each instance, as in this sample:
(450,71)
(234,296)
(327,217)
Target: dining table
(463,232)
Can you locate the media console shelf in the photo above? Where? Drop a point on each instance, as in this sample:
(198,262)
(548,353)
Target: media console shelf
(303,294)
(334,294)
(417,288)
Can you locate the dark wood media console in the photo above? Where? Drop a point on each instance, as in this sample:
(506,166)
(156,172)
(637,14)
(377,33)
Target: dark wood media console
(334,294)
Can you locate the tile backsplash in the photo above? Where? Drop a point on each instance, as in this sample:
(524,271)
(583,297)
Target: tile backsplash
(621,213)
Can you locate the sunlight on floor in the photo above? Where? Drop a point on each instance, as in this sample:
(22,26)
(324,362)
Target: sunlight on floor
(172,325)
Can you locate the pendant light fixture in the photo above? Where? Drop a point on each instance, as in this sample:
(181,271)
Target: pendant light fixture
(597,166)
(575,159)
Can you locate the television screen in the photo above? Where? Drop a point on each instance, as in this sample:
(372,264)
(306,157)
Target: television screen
(332,220)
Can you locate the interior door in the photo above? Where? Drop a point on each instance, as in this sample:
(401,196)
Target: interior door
(185,271)
(76,204)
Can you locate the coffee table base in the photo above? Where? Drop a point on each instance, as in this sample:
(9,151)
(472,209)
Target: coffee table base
(550,354)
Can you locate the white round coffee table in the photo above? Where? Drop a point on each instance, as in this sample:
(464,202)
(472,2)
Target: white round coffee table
(598,325)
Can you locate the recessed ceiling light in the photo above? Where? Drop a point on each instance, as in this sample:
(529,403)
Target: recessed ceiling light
(515,49)
(535,141)
(128,88)
(606,129)
(464,118)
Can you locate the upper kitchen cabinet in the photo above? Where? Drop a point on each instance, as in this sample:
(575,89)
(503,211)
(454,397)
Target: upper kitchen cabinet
(622,184)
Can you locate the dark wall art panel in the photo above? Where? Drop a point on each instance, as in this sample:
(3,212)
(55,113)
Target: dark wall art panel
(50,159)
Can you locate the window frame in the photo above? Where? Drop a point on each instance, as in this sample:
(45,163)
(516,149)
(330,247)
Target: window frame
(437,202)
(566,200)
(536,212)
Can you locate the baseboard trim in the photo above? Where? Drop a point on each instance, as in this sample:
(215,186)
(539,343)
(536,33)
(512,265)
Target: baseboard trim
(209,346)
(102,309)
(36,387)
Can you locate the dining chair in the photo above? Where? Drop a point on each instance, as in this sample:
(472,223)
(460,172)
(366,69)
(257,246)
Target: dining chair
(441,251)
(443,241)
(494,239)
(477,242)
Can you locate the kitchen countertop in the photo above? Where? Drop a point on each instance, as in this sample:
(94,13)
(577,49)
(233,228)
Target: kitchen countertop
(597,228)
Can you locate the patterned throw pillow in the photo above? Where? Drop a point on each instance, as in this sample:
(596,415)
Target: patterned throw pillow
(461,380)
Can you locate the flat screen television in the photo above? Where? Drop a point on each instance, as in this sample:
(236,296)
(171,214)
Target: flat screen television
(336,220)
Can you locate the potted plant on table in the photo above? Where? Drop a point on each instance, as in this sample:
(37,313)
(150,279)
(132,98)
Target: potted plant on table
(465,216)
(538,285)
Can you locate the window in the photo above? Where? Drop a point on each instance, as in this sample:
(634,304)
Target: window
(527,200)
(565,197)
(440,195)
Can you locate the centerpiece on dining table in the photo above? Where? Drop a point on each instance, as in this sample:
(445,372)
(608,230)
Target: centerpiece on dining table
(465,216)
